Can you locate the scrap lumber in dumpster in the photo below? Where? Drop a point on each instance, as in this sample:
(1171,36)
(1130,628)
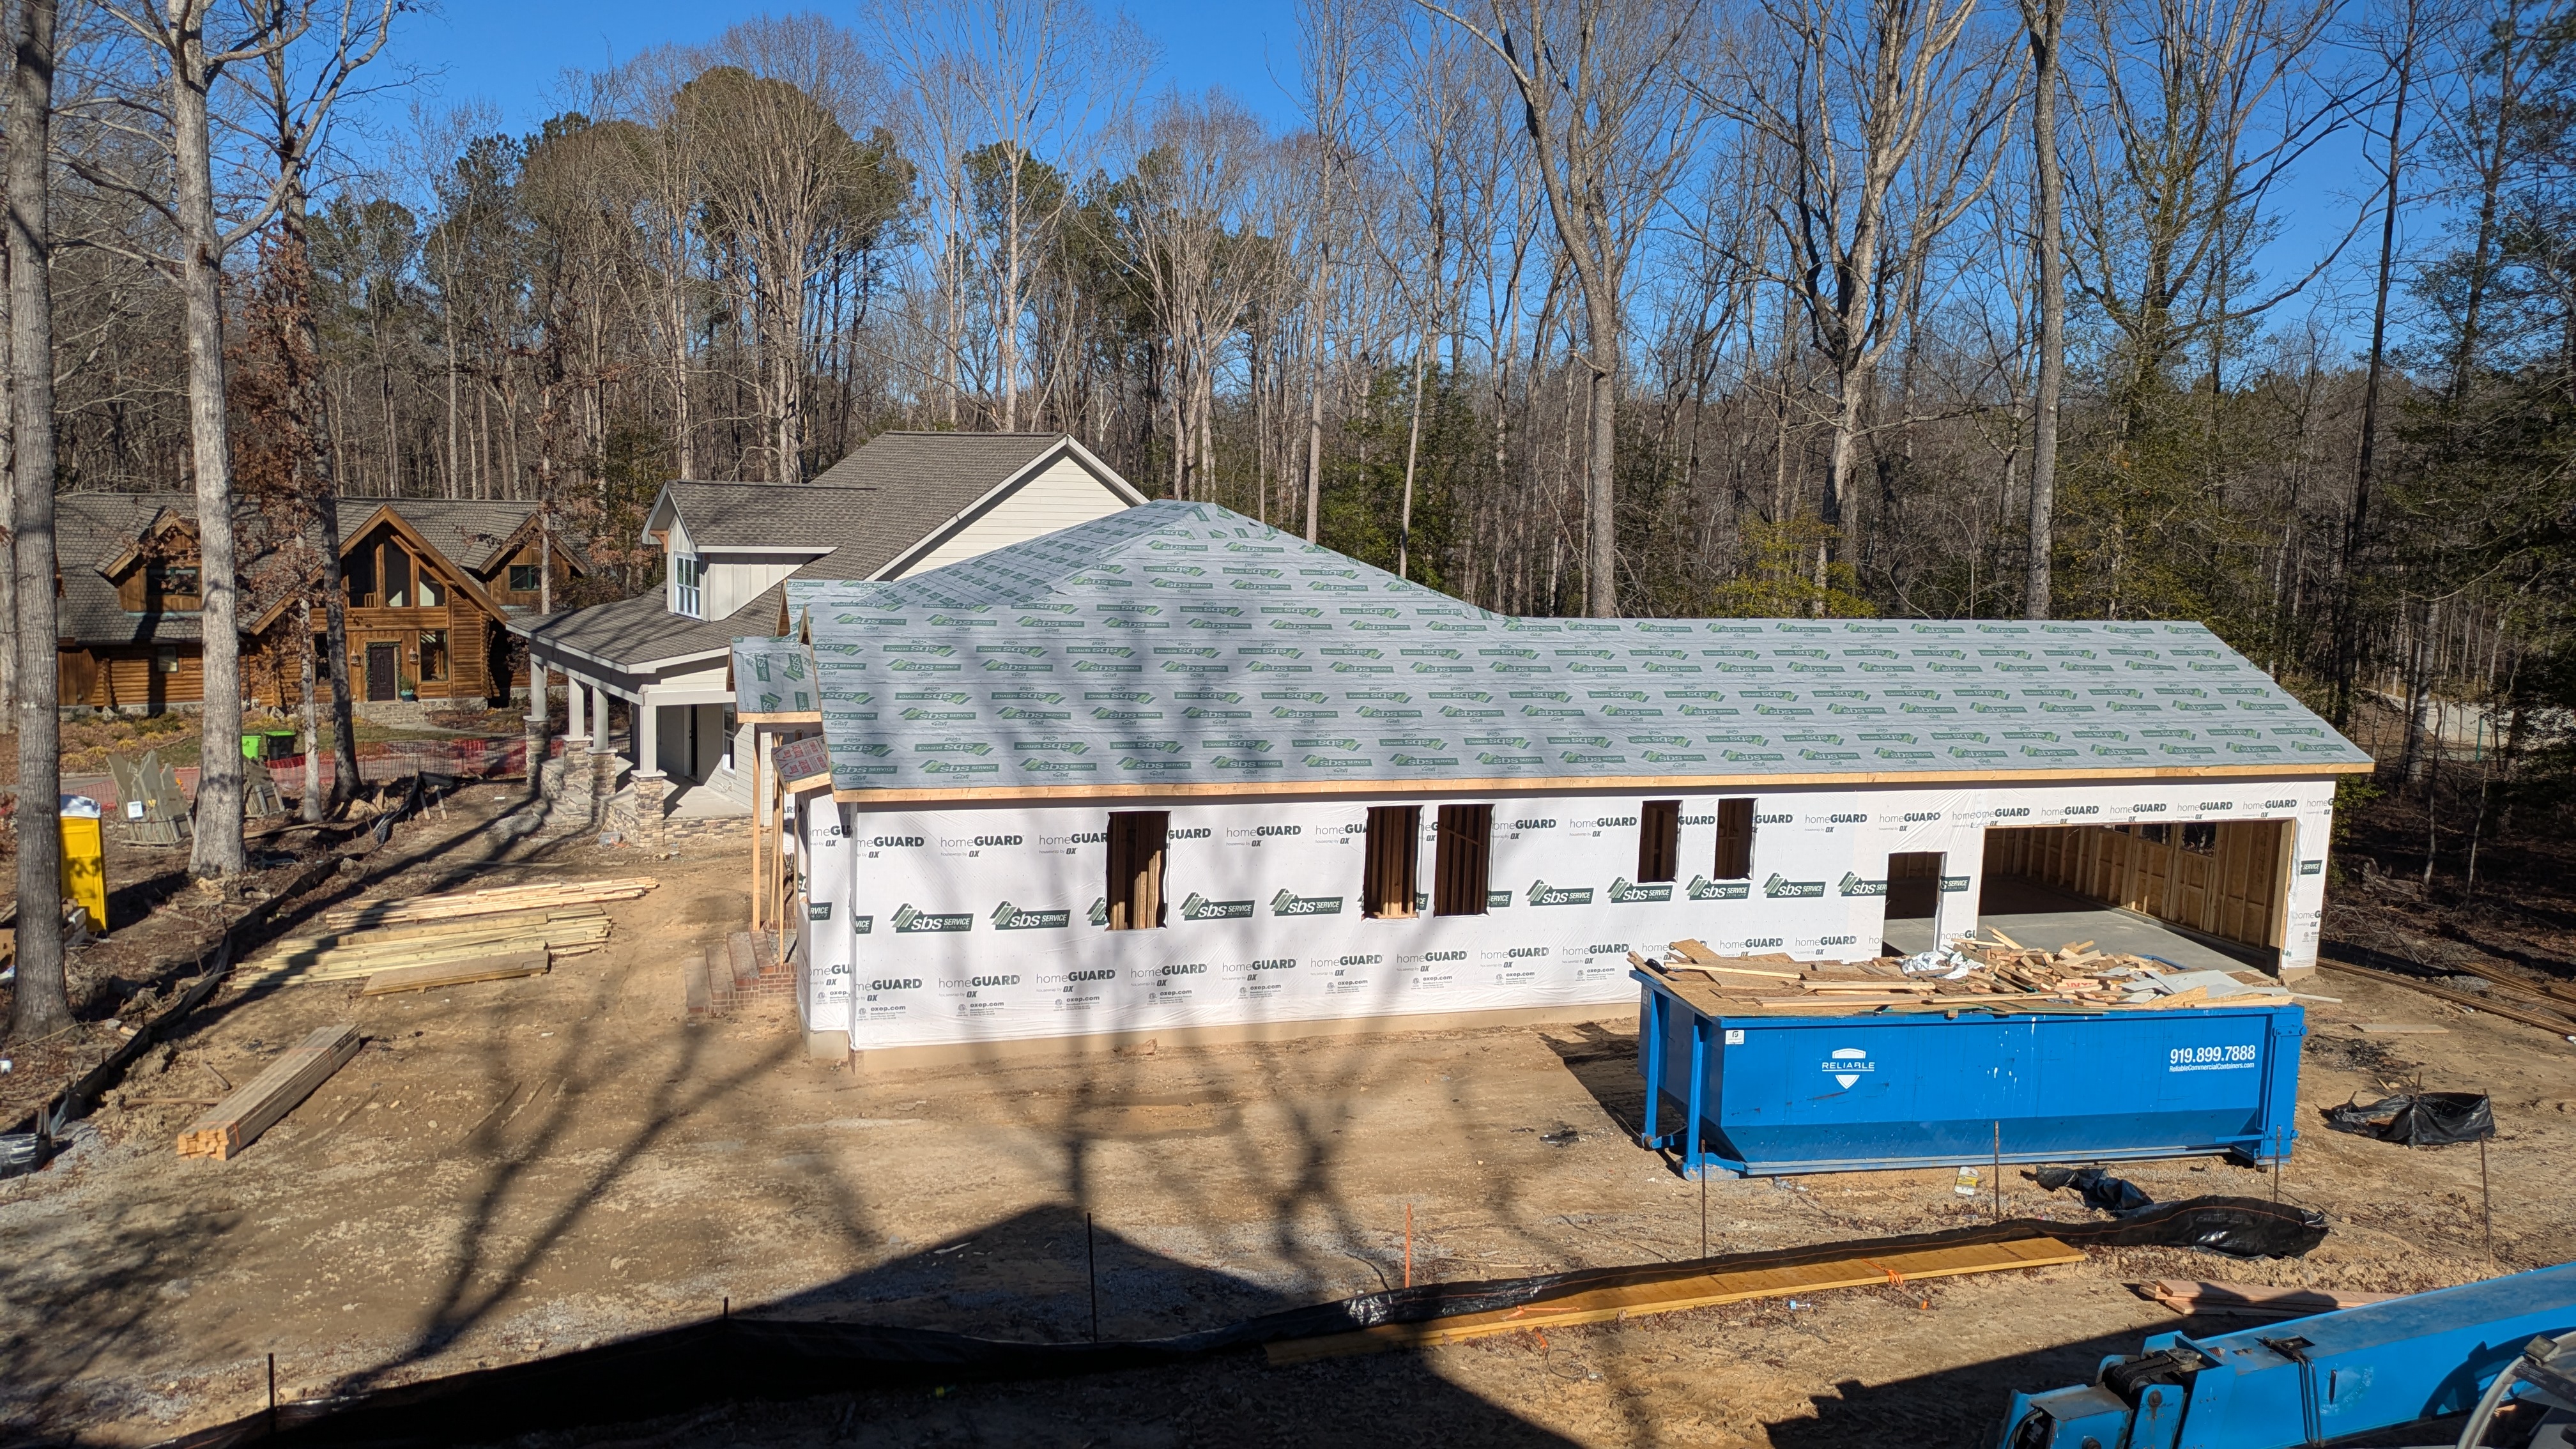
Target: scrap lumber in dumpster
(237,1121)
(409,909)
(1603,1305)
(1964,973)
(430,977)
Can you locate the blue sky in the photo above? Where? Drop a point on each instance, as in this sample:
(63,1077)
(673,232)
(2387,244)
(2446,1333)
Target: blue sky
(512,53)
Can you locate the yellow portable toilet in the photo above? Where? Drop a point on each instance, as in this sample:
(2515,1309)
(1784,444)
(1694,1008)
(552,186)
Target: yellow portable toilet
(84,859)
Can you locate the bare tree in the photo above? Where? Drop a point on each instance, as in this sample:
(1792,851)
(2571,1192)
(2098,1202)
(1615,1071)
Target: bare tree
(1883,115)
(2044,21)
(42,1004)
(176,32)
(771,126)
(1610,124)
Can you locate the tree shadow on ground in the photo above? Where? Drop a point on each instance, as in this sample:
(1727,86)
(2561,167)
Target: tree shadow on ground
(781,1373)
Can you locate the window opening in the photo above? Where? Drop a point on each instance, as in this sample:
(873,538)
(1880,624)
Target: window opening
(1464,867)
(1136,868)
(2200,839)
(523,578)
(1659,840)
(685,575)
(1386,878)
(1734,840)
(397,578)
(433,654)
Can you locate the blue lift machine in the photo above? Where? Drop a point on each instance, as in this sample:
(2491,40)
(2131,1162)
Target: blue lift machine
(2334,1376)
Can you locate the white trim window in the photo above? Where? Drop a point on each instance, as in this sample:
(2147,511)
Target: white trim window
(687,593)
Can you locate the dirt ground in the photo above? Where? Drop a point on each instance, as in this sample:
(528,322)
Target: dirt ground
(518,1168)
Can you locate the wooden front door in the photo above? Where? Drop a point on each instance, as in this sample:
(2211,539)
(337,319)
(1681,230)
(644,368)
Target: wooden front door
(380,671)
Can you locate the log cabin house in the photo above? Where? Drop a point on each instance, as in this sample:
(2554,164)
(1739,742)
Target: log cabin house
(432,584)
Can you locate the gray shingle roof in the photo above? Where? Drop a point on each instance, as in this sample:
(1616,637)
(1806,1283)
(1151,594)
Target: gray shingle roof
(466,530)
(641,632)
(868,510)
(92,530)
(1185,643)
(770,515)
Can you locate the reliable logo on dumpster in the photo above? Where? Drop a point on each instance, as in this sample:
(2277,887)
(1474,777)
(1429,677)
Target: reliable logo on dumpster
(1848,1065)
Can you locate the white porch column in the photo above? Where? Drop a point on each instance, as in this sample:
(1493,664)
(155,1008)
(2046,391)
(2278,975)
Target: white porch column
(576,712)
(648,741)
(536,693)
(599,741)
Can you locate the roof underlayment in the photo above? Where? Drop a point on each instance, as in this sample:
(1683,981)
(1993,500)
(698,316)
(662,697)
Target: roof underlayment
(1180,648)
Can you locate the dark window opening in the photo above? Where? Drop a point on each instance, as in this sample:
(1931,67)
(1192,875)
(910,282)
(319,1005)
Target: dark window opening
(1659,840)
(433,654)
(1386,877)
(1462,871)
(2152,834)
(523,578)
(1136,868)
(2200,839)
(397,578)
(1734,840)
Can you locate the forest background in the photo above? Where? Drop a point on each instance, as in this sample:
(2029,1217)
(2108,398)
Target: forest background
(2257,312)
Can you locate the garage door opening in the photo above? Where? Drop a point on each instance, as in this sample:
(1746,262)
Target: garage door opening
(2226,879)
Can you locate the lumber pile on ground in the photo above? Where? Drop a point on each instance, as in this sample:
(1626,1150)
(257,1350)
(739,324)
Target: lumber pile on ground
(421,942)
(236,1121)
(2244,1300)
(1605,1305)
(544,895)
(1965,973)
(2545,1005)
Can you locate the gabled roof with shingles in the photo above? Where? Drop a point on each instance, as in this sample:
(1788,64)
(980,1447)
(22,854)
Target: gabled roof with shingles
(861,515)
(1183,644)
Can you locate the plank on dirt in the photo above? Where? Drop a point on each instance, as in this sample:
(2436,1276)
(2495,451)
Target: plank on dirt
(261,1103)
(2252,1300)
(1602,1305)
(435,974)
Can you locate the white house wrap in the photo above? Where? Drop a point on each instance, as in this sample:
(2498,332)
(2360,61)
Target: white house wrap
(983,722)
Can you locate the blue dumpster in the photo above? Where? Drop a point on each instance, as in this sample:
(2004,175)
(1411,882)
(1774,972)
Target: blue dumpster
(1763,1095)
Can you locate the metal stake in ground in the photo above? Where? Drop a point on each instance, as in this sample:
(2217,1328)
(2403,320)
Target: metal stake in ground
(1408,1245)
(272,1396)
(2486,1204)
(1999,1171)
(1091,1256)
(1703,1214)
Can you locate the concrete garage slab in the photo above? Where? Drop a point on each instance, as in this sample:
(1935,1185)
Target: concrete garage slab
(2037,915)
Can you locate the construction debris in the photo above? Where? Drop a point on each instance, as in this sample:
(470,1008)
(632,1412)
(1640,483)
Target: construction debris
(1962,972)
(237,1121)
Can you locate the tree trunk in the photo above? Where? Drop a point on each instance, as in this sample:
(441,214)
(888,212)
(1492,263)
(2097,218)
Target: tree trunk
(218,850)
(312,804)
(1600,518)
(2348,585)
(2046,19)
(42,1004)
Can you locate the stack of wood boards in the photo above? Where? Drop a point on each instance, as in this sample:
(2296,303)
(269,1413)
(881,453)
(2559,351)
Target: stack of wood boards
(1998,975)
(409,910)
(1604,1305)
(422,942)
(2246,1300)
(232,1124)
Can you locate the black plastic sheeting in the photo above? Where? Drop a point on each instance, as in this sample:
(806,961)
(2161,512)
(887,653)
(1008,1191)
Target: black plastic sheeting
(2418,1119)
(2100,1190)
(747,1358)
